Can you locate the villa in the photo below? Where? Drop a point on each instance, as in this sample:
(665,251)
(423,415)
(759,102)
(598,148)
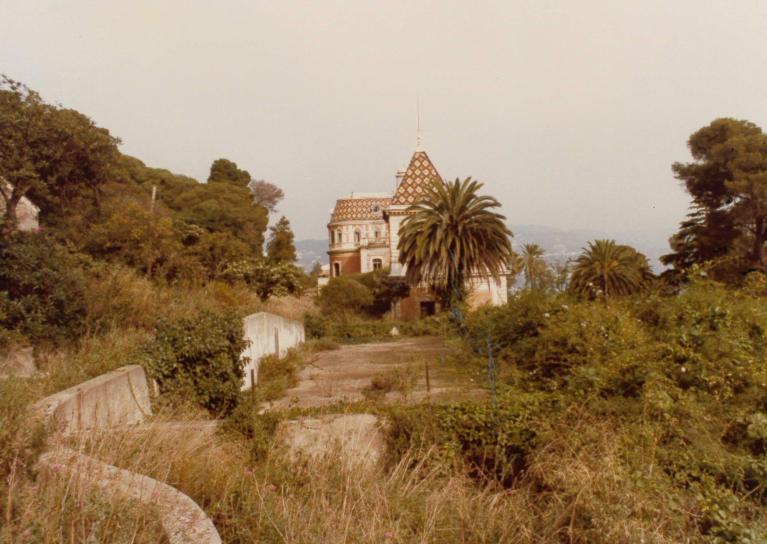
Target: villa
(363,234)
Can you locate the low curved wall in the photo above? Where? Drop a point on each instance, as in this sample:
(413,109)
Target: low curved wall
(268,334)
(120,397)
(183,521)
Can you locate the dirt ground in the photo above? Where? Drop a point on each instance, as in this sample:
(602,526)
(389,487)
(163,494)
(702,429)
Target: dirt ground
(344,374)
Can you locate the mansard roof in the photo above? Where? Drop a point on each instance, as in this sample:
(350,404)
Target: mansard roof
(420,174)
(363,207)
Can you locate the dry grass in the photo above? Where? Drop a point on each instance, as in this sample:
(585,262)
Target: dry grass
(54,507)
(314,501)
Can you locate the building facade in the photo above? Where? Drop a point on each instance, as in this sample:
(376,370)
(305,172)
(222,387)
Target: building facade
(363,235)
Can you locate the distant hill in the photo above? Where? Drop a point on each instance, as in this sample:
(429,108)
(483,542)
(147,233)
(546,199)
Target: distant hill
(563,244)
(558,243)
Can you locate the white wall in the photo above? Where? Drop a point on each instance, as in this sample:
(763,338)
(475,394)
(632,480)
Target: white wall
(265,333)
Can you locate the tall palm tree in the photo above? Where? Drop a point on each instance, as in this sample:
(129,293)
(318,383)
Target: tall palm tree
(451,235)
(533,264)
(609,269)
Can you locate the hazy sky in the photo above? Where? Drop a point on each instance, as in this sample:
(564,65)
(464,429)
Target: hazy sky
(570,112)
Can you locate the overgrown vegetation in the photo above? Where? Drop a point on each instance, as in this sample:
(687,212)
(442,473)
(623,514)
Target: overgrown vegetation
(623,408)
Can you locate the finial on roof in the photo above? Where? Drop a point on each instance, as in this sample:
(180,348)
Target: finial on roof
(418,129)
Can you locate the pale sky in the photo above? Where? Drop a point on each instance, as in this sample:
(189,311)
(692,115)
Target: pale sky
(570,112)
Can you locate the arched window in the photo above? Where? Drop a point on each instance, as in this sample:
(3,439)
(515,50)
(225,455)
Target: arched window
(357,237)
(339,238)
(336,269)
(332,238)
(377,235)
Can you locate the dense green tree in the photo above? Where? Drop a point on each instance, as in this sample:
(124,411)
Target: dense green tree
(224,170)
(216,250)
(608,269)
(728,184)
(218,207)
(452,234)
(49,154)
(280,248)
(133,233)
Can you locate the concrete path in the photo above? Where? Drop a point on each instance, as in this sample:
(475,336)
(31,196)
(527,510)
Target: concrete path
(344,374)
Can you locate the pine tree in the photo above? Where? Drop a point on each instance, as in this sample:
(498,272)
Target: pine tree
(280,248)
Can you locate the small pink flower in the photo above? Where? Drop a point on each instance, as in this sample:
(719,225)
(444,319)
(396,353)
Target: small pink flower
(248,472)
(389,535)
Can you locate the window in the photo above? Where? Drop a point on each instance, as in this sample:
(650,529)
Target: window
(332,238)
(357,237)
(336,269)
(377,235)
(377,264)
(339,238)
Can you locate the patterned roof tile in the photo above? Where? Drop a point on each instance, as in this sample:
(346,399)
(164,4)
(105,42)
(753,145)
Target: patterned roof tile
(359,209)
(418,176)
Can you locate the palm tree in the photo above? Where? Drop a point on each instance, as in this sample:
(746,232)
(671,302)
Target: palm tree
(533,264)
(453,234)
(609,269)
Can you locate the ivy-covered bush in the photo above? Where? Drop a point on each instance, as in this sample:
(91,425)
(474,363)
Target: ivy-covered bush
(198,358)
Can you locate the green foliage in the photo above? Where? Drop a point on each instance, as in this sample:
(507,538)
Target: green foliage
(452,234)
(385,289)
(491,442)
(280,248)
(226,171)
(129,232)
(266,278)
(198,358)
(43,288)
(532,264)
(344,295)
(221,207)
(607,269)
(57,157)
(727,181)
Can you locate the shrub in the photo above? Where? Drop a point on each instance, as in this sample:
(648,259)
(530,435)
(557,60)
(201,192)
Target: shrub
(342,295)
(44,288)
(267,279)
(492,442)
(399,379)
(199,357)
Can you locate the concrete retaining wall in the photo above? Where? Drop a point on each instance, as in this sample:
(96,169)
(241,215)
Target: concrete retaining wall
(183,521)
(268,334)
(120,397)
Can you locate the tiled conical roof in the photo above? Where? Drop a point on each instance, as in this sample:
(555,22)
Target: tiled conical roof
(419,175)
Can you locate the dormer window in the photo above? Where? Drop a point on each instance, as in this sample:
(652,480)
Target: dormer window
(376,208)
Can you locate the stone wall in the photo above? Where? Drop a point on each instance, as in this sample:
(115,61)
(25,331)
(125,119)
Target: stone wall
(120,397)
(268,334)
